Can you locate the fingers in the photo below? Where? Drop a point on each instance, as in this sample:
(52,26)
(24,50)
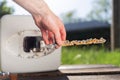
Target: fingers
(57,37)
(45,36)
(50,37)
(63,33)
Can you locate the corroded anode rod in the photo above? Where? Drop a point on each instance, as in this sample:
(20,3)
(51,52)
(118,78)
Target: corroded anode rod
(84,42)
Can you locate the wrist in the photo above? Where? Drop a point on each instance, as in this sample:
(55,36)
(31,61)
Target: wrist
(35,7)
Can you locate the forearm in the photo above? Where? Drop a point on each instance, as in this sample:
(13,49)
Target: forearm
(34,6)
(50,25)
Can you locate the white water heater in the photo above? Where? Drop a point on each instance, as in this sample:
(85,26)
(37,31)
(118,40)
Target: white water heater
(22,47)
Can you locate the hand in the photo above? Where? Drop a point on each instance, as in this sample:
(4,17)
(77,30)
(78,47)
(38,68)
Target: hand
(51,27)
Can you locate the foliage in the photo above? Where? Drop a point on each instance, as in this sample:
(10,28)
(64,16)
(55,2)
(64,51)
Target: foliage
(4,9)
(69,17)
(90,55)
(102,11)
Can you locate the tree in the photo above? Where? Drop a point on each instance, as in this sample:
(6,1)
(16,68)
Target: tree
(4,9)
(70,16)
(102,11)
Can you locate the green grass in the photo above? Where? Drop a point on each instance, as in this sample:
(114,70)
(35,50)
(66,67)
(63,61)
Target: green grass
(90,55)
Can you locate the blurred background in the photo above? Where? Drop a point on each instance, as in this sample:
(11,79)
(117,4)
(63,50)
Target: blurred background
(83,20)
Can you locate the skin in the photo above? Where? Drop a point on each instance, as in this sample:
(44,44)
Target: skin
(51,26)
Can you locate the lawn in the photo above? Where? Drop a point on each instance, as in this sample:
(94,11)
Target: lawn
(90,55)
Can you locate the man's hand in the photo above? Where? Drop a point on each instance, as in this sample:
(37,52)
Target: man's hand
(51,26)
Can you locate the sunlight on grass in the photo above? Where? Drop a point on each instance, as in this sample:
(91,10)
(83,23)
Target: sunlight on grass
(92,55)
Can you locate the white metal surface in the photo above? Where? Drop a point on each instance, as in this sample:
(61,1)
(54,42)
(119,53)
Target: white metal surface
(12,45)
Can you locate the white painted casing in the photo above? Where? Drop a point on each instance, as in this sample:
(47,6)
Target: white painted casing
(12,45)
